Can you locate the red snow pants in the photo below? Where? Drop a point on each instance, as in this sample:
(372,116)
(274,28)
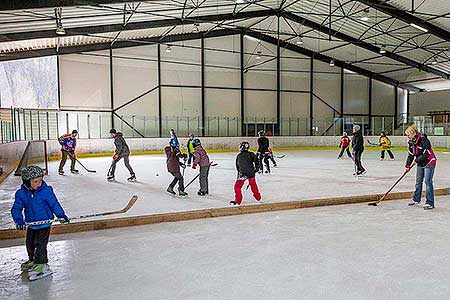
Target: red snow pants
(238,186)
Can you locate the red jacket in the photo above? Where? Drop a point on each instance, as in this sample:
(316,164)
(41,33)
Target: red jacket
(345,141)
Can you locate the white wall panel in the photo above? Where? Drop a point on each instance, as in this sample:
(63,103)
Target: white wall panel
(84,81)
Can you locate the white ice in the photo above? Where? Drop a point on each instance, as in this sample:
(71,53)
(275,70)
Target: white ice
(340,252)
(300,175)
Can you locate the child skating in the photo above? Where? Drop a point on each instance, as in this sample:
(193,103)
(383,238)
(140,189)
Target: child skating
(201,159)
(174,155)
(344,145)
(190,148)
(385,144)
(122,151)
(246,164)
(39,203)
(263,151)
(68,143)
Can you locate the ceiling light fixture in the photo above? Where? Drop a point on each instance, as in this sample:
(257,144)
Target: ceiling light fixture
(168,49)
(196,27)
(365,16)
(383,49)
(258,54)
(299,40)
(239,1)
(419,27)
(59,27)
(332,63)
(434,62)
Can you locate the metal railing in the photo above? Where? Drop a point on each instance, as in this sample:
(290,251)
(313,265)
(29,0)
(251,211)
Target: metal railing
(35,124)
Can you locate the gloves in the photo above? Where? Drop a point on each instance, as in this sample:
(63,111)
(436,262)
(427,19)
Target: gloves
(21,225)
(64,219)
(72,154)
(194,167)
(182,165)
(115,156)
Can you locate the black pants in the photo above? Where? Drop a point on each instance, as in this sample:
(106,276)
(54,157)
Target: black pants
(357,156)
(126,160)
(345,148)
(191,158)
(177,177)
(265,157)
(36,241)
(391,155)
(64,158)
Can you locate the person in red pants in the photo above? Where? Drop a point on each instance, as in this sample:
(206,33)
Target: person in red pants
(247,164)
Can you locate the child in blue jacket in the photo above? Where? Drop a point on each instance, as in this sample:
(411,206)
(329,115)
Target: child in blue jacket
(39,202)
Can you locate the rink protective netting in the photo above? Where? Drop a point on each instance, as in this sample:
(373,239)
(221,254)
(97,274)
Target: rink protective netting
(35,154)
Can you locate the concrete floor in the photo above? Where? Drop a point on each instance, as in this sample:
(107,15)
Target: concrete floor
(342,252)
(300,175)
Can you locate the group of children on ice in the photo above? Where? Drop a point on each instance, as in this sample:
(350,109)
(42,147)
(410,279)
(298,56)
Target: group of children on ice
(38,201)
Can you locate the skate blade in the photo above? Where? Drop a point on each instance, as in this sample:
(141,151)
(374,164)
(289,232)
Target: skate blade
(39,276)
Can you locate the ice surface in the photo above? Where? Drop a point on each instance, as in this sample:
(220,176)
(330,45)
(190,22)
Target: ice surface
(392,251)
(300,175)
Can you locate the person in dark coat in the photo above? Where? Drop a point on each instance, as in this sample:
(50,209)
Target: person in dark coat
(263,151)
(201,159)
(247,164)
(421,152)
(358,149)
(122,151)
(174,155)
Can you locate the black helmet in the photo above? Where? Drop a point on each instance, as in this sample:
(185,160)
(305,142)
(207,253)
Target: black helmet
(244,146)
(261,133)
(196,142)
(113,131)
(74,131)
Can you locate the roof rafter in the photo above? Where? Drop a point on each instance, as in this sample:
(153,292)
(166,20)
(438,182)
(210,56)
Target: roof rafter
(406,17)
(85,30)
(324,58)
(347,38)
(32,4)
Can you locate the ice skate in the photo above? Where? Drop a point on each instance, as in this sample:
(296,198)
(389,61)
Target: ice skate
(27,266)
(274,165)
(427,206)
(110,178)
(182,193)
(234,203)
(200,193)
(267,172)
(132,178)
(61,172)
(39,271)
(412,202)
(74,171)
(171,191)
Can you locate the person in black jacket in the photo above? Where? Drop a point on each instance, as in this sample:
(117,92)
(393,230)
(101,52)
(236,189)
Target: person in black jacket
(122,151)
(263,151)
(421,152)
(247,165)
(358,149)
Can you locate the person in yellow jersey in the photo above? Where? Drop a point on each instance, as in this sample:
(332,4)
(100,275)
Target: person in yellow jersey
(386,145)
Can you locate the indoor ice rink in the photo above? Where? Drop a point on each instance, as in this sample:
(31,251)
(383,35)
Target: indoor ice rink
(174,77)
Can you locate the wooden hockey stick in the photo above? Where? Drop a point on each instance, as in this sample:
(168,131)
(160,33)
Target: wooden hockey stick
(121,211)
(392,187)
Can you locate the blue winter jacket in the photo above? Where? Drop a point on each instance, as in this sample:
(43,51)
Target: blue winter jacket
(39,205)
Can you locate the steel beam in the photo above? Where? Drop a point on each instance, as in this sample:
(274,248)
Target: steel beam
(347,38)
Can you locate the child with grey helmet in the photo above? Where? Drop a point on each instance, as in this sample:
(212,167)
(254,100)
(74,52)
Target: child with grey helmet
(39,203)
(201,158)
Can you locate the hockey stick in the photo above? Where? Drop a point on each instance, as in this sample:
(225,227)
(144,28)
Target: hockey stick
(281,156)
(373,144)
(212,164)
(392,187)
(90,171)
(121,211)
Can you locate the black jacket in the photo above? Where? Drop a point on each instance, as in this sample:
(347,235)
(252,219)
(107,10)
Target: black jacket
(420,148)
(358,141)
(246,164)
(121,146)
(263,145)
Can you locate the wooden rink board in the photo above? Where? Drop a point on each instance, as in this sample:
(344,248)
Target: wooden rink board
(212,213)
